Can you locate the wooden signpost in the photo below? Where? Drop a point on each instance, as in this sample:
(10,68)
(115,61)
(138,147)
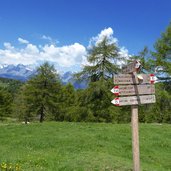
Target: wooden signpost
(141,90)
(132,67)
(123,90)
(134,100)
(133,79)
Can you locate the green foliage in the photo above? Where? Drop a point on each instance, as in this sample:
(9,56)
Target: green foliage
(67,102)
(44,97)
(160,63)
(102,57)
(146,59)
(96,98)
(160,111)
(162,54)
(94,103)
(22,106)
(11,85)
(8,89)
(5,103)
(40,95)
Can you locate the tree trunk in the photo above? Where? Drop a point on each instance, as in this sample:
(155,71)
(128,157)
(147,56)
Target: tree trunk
(42,114)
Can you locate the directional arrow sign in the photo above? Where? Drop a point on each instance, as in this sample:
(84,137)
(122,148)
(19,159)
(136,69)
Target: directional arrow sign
(134,100)
(152,78)
(133,79)
(122,90)
(115,90)
(132,67)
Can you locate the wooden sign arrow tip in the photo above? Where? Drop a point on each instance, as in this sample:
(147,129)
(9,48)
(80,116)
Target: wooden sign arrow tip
(115,101)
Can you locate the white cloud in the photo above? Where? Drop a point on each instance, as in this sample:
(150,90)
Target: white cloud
(31,49)
(8,46)
(107,32)
(23,41)
(64,56)
(48,38)
(124,53)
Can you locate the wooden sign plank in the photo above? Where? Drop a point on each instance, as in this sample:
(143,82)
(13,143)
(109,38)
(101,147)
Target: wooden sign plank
(134,100)
(123,90)
(133,79)
(131,67)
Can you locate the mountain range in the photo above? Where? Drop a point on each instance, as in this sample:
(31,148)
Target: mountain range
(23,73)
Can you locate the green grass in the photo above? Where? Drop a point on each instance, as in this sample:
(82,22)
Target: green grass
(64,146)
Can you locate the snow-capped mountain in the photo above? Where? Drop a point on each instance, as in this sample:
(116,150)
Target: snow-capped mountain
(68,77)
(18,72)
(23,73)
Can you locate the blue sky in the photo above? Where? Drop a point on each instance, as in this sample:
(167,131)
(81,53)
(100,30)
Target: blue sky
(45,28)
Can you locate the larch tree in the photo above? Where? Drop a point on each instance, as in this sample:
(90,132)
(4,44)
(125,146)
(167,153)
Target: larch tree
(42,92)
(103,60)
(5,103)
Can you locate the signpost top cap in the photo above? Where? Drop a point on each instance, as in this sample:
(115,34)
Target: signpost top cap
(134,66)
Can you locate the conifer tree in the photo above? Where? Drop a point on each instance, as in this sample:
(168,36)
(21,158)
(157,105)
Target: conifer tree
(68,103)
(41,92)
(5,103)
(102,58)
(22,107)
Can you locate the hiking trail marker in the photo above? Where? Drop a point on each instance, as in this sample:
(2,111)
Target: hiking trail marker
(134,79)
(122,90)
(138,89)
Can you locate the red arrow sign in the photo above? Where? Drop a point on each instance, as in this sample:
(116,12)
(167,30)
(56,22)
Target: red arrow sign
(130,79)
(122,90)
(152,78)
(115,90)
(134,100)
(115,101)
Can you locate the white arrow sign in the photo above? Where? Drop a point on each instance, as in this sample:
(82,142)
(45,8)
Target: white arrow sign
(115,90)
(137,79)
(122,90)
(134,100)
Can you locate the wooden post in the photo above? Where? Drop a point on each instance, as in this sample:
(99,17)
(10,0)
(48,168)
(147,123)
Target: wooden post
(129,83)
(135,138)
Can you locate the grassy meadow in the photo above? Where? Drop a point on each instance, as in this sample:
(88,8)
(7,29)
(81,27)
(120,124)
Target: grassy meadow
(54,146)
